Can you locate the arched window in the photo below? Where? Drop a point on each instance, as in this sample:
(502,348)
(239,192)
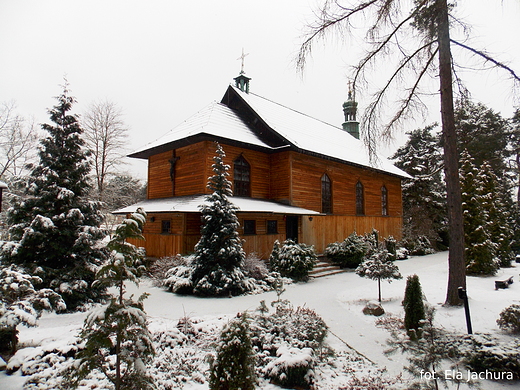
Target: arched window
(241,177)
(384,201)
(360,199)
(326,194)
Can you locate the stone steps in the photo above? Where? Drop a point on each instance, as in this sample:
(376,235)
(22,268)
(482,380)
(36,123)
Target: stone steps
(324,268)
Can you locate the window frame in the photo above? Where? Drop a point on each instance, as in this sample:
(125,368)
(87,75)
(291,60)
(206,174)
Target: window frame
(326,194)
(249,227)
(269,228)
(241,177)
(164,229)
(360,198)
(384,201)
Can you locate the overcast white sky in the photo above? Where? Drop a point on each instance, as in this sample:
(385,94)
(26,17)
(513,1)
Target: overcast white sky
(163,60)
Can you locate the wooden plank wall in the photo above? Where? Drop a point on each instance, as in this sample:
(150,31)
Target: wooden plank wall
(306,186)
(323,230)
(261,243)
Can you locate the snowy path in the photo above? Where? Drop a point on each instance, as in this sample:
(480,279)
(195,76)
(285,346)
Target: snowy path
(339,299)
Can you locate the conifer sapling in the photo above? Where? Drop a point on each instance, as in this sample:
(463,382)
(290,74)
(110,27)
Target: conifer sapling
(117,340)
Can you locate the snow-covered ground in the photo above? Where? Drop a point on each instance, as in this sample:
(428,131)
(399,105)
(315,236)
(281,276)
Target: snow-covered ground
(339,299)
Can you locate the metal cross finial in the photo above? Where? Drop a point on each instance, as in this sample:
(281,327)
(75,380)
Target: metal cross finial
(349,90)
(242,58)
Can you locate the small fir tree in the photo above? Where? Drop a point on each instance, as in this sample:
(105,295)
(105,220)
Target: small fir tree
(22,304)
(55,230)
(219,257)
(234,367)
(378,267)
(117,340)
(414,312)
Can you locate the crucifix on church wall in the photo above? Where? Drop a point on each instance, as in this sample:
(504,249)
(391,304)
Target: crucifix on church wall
(173,162)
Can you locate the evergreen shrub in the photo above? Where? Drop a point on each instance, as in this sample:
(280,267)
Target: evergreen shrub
(293,260)
(419,246)
(177,279)
(414,311)
(488,355)
(234,367)
(348,253)
(287,342)
(509,319)
(292,368)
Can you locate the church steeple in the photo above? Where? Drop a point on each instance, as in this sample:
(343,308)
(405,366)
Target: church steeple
(351,125)
(242,81)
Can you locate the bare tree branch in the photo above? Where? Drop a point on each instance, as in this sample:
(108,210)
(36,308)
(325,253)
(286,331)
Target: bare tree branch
(488,58)
(105,134)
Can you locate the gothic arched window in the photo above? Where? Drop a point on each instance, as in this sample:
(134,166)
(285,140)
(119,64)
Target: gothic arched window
(360,199)
(241,177)
(326,194)
(384,201)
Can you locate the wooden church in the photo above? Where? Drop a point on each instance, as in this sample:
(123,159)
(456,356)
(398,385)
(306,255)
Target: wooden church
(293,176)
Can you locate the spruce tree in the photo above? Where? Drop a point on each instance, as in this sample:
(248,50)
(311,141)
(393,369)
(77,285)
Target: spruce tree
(219,257)
(117,339)
(54,228)
(424,195)
(480,249)
(234,367)
(414,312)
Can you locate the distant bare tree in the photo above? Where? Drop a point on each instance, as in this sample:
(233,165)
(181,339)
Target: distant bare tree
(105,134)
(390,26)
(18,141)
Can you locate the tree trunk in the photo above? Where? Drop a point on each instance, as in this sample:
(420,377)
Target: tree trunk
(379,287)
(456,261)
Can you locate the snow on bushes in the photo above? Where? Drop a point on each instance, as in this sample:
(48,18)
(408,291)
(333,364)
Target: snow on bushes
(288,345)
(348,253)
(484,353)
(22,303)
(292,367)
(293,260)
(378,267)
(509,319)
(234,366)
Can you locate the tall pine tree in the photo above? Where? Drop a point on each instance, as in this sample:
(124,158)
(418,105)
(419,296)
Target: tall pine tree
(219,257)
(54,228)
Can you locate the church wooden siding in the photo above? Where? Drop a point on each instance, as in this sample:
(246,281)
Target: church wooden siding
(281,177)
(261,243)
(185,233)
(307,172)
(286,176)
(194,166)
(159,183)
(323,230)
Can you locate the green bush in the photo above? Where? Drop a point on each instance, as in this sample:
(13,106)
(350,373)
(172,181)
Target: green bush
(348,253)
(509,319)
(488,355)
(293,260)
(414,313)
(234,367)
(292,369)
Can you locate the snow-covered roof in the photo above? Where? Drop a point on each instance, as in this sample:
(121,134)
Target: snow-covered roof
(190,204)
(312,135)
(216,119)
(290,129)
(3,186)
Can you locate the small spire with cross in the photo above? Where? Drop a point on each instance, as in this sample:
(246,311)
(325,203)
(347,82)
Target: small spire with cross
(242,81)
(242,57)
